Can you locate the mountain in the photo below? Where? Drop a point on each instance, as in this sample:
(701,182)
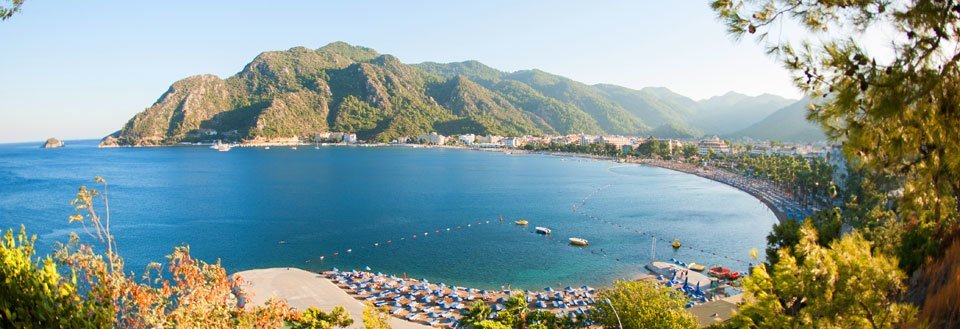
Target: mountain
(733,112)
(788,124)
(346,88)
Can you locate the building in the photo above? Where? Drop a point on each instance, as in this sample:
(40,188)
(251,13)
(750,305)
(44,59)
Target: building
(350,138)
(433,138)
(716,144)
(587,139)
(467,139)
(328,136)
(513,142)
(489,139)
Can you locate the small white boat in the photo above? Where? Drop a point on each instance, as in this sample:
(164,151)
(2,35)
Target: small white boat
(579,242)
(543,230)
(294,148)
(266,148)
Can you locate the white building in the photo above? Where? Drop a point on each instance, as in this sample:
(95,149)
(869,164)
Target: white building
(433,138)
(587,139)
(716,144)
(350,138)
(467,139)
(512,142)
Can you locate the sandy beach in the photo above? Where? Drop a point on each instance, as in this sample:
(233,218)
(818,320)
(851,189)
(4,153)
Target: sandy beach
(303,289)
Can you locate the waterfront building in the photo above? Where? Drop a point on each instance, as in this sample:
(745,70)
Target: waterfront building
(587,139)
(513,142)
(716,144)
(350,138)
(467,139)
(489,139)
(433,138)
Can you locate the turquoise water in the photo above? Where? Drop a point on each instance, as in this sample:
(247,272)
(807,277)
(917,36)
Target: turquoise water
(239,205)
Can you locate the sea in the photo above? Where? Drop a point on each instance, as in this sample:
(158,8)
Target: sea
(446,215)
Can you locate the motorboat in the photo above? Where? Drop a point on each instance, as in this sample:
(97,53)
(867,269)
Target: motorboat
(543,230)
(676,244)
(521,222)
(579,242)
(696,267)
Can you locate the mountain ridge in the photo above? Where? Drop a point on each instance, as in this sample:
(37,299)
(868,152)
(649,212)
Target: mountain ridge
(341,87)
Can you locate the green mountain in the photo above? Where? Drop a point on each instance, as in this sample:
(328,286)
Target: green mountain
(346,88)
(733,112)
(788,124)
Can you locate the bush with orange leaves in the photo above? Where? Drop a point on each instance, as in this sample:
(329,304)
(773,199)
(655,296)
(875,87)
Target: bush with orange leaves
(197,294)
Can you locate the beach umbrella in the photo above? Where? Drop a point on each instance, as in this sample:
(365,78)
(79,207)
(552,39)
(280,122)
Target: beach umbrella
(366,268)
(378,274)
(336,269)
(548,289)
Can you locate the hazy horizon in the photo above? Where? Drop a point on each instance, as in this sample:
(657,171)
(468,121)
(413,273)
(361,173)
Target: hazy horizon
(80,71)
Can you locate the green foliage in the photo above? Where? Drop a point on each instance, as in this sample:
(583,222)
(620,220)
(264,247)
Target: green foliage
(479,311)
(844,285)
(375,318)
(315,318)
(7,10)
(33,294)
(490,324)
(642,304)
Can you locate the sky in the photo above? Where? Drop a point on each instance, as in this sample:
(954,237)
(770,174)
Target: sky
(81,69)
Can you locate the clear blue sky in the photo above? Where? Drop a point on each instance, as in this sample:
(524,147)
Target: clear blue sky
(81,69)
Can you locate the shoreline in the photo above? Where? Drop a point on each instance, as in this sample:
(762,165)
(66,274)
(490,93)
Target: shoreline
(699,171)
(703,172)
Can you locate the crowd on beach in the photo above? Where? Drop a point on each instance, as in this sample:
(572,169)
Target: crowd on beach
(438,304)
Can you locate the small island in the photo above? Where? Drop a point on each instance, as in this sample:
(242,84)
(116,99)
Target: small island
(52,143)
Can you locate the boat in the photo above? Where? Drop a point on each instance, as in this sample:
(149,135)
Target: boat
(733,276)
(676,244)
(579,242)
(696,267)
(521,222)
(543,230)
(294,148)
(266,148)
(720,272)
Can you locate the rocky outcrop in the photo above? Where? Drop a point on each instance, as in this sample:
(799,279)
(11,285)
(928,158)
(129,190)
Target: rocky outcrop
(52,143)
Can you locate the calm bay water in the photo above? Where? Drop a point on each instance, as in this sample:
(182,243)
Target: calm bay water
(239,205)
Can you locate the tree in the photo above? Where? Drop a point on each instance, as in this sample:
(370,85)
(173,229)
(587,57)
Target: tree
(315,318)
(490,324)
(8,8)
(895,117)
(375,318)
(479,311)
(844,285)
(34,294)
(642,304)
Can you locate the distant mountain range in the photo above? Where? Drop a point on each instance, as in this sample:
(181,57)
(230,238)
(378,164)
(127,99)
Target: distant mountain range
(346,88)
